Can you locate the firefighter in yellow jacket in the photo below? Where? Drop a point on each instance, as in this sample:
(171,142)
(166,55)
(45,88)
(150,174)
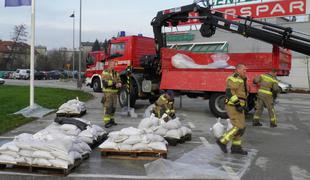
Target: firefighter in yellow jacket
(111,83)
(236,96)
(266,95)
(165,105)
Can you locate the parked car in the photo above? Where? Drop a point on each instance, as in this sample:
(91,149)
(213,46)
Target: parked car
(284,87)
(2,81)
(40,75)
(53,74)
(21,74)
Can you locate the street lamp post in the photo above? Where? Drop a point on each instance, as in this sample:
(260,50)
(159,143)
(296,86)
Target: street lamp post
(79,83)
(73,44)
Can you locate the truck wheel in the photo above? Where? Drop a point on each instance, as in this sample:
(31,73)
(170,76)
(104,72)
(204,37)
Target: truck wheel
(97,85)
(123,97)
(217,105)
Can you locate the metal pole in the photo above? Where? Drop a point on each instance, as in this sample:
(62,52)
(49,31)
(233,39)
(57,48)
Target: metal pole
(73,58)
(79,83)
(32,53)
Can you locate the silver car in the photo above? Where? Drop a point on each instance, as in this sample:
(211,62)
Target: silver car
(2,81)
(284,87)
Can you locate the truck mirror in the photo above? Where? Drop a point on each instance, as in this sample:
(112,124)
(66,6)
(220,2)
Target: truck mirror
(115,55)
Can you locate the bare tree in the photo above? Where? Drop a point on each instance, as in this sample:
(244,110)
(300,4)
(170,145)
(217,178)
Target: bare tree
(19,38)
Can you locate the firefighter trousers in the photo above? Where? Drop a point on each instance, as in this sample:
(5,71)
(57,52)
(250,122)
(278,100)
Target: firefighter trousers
(236,132)
(265,100)
(109,101)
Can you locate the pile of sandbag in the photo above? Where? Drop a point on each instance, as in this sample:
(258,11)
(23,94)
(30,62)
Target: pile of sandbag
(31,150)
(132,139)
(73,106)
(81,128)
(171,129)
(58,145)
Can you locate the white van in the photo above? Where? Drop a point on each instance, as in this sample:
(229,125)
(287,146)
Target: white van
(21,74)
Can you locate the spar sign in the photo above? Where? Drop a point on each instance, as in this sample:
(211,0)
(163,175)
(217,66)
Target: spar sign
(258,9)
(269,9)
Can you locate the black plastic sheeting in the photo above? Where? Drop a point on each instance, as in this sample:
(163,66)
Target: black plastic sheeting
(64,120)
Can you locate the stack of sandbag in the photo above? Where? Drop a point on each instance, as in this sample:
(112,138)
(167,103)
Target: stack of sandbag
(133,139)
(73,106)
(171,129)
(28,149)
(81,128)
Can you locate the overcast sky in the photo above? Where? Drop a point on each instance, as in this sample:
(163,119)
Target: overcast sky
(101,19)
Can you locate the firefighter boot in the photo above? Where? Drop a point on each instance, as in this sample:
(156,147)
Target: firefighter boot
(257,123)
(109,124)
(236,149)
(113,122)
(273,125)
(222,146)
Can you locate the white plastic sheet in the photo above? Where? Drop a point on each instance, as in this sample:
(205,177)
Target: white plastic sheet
(204,162)
(36,111)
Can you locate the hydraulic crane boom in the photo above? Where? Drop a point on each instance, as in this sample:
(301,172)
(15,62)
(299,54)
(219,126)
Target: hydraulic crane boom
(270,33)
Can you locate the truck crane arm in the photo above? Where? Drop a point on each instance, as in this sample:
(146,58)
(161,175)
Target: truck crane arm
(270,33)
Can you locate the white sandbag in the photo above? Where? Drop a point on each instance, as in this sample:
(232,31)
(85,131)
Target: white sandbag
(10,146)
(140,146)
(158,146)
(185,130)
(41,162)
(77,148)
(63,145)
(174,133)
(161,131)
(172,124)
(7,159)
(75,155)
(23,137)
(109,145)
(68,127)
(155,138)
(145,123)
(10,153)
(85,146)
(73,132)
(24,145)
(43,154)
(59,163)
(120,138)
(125,147)
(218,129)
(130,131)
(87,140)
(229,125)
(133,140)
(148,111)
(40,145)
(86,133)
(29,160)
(100,131)
(26,153)
(63,156)
(21,160)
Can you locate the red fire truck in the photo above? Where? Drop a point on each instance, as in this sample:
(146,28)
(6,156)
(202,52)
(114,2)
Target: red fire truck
(154,69)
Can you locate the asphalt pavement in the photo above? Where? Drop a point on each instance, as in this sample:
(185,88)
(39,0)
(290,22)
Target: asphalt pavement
(276,153)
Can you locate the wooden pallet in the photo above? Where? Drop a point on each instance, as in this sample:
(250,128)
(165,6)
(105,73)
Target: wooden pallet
(71,114)
(182,140)
(146,155)
(48,170)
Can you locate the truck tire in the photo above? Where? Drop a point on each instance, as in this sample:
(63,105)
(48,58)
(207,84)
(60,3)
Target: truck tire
(96,84)
(217,105)
(122,96)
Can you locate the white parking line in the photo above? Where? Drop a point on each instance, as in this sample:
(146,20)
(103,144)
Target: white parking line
(204,141)
(232,174)
(6,137)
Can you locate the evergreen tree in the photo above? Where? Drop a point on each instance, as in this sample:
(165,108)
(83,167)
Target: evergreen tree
(96,46)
